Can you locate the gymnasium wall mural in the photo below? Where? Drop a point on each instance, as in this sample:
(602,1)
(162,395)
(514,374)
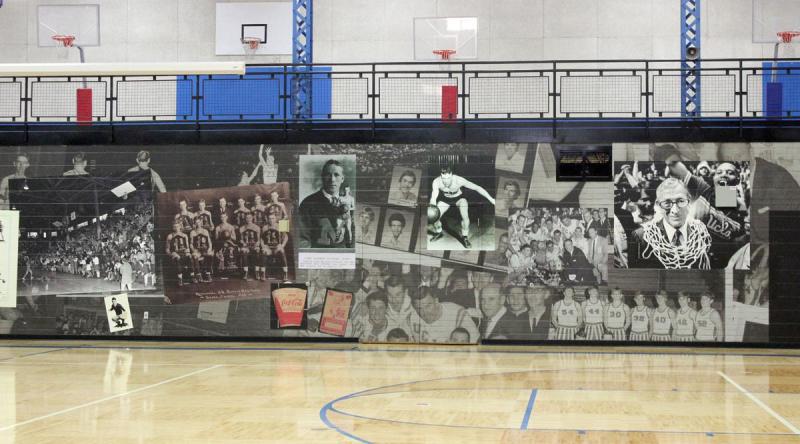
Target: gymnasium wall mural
(396,243)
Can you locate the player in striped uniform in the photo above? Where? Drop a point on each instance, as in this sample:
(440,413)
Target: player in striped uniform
(249,246)
(204,216)
(662,319)
(592,309)
(684,320)
(178,250)
(708,321)
(202,252)
(275,206)
(240,214)
(641,316)
(185,217)
(567,316)
(617,317)
(274,247)
(259,211)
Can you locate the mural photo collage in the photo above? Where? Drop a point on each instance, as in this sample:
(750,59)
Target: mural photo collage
(443,243)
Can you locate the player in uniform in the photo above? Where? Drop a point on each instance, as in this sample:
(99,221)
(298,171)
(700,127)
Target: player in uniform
(274,247)
(447,190)
(185,217)
(567,316)
(204,216)
(708,321)
(662,319)
(617,317)
(202,252)
(593,309)
(640,319)
(275,206)
(249,246)
(684,320)
(227,243)
(259,211)
(178,250)
(240,214)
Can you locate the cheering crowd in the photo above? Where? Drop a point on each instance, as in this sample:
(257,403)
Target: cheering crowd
(552,246)
(121,250)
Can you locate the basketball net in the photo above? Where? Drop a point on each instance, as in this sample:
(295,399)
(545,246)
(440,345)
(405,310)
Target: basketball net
(64,42)
(785,48)
(250,46)
(692,254)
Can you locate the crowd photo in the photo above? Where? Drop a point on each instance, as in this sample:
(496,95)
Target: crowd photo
(556,246)
(83,234)
(218,243)
(682,215)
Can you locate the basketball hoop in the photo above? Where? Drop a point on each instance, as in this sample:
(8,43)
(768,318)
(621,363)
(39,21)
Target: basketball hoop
(64,42)
(787,36)
(250,45)
(444,54)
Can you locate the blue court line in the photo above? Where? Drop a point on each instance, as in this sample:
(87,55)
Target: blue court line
(528,410)
(31,354)
(356,348)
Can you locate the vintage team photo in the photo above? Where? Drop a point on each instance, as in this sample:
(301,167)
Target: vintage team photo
(681,215)
(225,243)
(556,246)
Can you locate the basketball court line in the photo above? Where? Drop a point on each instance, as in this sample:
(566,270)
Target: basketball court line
(31,354)
(107,398)
(528,410)
(761,404)
(357,348)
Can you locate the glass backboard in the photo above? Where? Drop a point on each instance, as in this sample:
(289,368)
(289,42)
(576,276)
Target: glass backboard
(438,33)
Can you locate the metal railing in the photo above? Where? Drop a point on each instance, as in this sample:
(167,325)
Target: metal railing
(447,91)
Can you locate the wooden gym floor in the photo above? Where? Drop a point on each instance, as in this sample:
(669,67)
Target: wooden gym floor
(125,392)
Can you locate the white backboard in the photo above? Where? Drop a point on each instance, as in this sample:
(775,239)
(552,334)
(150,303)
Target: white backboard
(455,33)
(773,16)
(82,21)
(270,22)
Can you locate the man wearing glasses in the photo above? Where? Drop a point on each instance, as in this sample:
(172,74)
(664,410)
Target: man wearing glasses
(672,240)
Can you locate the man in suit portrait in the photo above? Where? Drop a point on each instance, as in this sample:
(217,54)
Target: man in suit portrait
(597,255)
(323,214)
(576,267)
(673,239)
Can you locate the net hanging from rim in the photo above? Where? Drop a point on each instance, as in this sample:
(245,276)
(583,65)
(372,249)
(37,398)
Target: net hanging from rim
(444,54)
(250,45)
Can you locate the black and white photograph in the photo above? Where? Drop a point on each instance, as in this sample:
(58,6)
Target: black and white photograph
(512,193)
(669,306)
(327,202)
(461,206)
(681,215)
(422,237)
(225,243)
(498,258)
(559,245)
(118,313)
(367,220)
(466,256)
(85,234)
(398,229)
(511,157)
(404,190)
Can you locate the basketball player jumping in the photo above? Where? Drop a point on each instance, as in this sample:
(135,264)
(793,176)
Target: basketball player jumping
(447,191)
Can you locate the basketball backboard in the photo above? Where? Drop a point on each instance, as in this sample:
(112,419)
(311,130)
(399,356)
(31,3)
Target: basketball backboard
(773,16)
(445,33)
(81,21)
(269,22)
